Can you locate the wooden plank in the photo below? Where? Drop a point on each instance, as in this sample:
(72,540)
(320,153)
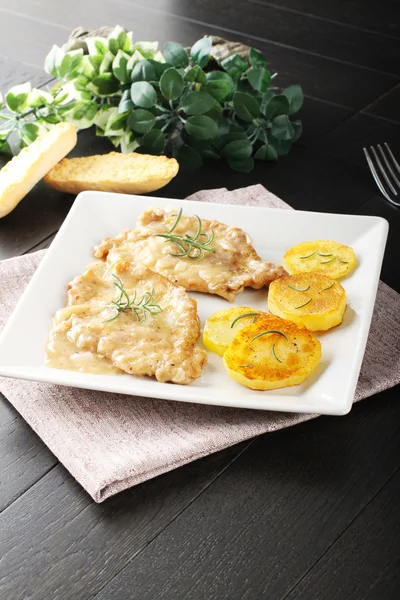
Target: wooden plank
(383,17)
(58,543)
(364,562)
(24,458)
(269,517)
(294,30)
(379,207)
(13,73)
(347,140)
(38,37)
(387,106)
(320,77)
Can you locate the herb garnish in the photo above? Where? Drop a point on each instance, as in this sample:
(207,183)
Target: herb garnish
(327,288)
(273,346)
(139,310)
(305,304)
(191,247)
(298,289)
(308,255)
(324,262)
(252,314)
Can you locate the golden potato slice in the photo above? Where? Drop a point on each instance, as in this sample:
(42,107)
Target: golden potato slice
(311,299)
(222,326)
(321,256)
(272,353)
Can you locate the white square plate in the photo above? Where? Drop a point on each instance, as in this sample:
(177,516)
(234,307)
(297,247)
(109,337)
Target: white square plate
(95,215)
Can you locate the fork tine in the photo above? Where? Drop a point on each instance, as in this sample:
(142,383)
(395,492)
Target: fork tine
(396,164)
(387,163)
(375,175)
(382,170)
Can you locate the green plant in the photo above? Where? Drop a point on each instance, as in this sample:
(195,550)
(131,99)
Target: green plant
(182,105)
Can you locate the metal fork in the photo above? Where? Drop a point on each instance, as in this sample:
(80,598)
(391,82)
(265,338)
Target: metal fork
(378,171)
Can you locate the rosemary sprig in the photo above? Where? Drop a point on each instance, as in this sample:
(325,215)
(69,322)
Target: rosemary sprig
(308,255)
(305,304)
(269,331)
(192,247)
(327,288)
(298,289)
(252,314)
(326,262)
(140,310)
(273,352)
(273,346)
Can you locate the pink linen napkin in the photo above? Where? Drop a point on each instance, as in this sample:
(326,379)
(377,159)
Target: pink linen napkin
(110,442)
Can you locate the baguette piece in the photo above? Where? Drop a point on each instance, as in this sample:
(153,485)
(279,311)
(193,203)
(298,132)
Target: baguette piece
(24,171)
(114,172)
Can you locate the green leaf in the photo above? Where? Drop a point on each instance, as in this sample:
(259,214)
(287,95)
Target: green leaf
(64,65)
(143,94)
(29,132)
(104,114)
(201,127)
(143,71)
(277,105)
(126,103)
(235,65)
(141,120)
(246,106)
(215,112)
(245,166)
(188,157)
(96,60)
(298,130)
(5,147)
(17,96)
(117,39)
(38,98)
(76,61)
(222,140)
(266,152)
(119,66)
(294,94)
(197,103)
(237,150)
(116,123)
(282,147)
(153,142)
(146,49)
(51,61)
(219,85)
(282,128)
(128,142)
(195,75)
(1,101)
(171,84)
(176,55)
(106,63)
(96,45)
(159,68)
(200,51)
(259,78)
(83,114)
(257,59)
(104,85)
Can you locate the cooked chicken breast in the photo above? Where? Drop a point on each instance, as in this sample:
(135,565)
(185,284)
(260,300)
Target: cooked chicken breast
(229,264)
(86,336)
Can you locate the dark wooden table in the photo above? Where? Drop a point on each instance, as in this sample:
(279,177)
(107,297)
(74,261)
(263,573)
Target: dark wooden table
(305,513)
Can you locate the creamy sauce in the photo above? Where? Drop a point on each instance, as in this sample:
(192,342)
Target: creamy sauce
(86,338)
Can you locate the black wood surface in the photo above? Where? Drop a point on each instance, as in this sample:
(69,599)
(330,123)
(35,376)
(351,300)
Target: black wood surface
(310,512)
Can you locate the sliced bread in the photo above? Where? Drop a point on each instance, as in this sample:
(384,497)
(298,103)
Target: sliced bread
(24,171)
(114,172)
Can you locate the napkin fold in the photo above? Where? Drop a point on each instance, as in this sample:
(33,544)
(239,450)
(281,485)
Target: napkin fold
(110,442)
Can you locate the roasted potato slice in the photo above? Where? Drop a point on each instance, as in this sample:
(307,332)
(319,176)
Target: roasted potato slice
(311,299)
(222,326)
(321,256)
(272,353)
